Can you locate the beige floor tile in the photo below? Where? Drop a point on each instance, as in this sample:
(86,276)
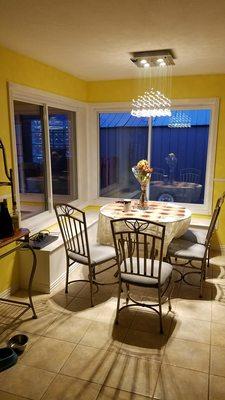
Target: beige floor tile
(218,312)
(49,354)
(133,374)
(81,307)
(217,361)
(9,396)
(104,336)
(216,388)
(67,388)
(192,293)
(181,384)
(191,329)
(217,334)
(10,312)
(101,293)
(218,290)
(186,354)
(69,328)
(107,313)
(59,301)
(25,381)
(74,288)
(149,322)
(143,344)
(108,393)
(37,326)
(196,309)
(94,364)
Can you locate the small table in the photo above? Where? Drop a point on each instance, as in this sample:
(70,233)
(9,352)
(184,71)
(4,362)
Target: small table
(21,238)
(181,192)
(176,219)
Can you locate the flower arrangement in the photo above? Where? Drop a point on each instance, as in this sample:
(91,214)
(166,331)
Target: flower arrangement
(142,172)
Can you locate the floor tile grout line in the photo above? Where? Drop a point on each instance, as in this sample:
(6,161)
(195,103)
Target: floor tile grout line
(49,386)
(25,398)
(123,390)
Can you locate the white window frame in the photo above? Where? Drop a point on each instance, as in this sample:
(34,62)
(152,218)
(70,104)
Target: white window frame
(46,99)
(184,104)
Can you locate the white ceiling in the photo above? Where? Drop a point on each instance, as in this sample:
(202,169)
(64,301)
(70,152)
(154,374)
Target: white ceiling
(92,39)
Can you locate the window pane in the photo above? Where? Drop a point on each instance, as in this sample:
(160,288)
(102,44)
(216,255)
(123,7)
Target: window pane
(179,156)
(30,158)
(123,142)
(63,157)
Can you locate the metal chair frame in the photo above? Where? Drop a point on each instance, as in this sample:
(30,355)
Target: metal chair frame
(190,175)
(205,260)
(73,227)
(133,242)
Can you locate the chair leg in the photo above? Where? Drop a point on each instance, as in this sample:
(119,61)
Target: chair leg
(127,294)
(67,276)
(91,284)
(160,311)
(118,302)
(202,277)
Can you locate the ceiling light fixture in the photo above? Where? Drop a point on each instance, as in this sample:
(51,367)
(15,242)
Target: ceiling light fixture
(179,119)
(156,76)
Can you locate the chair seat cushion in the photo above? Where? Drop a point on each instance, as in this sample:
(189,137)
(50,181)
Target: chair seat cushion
(194,236)
(140,279)
(184,249)
(99,254)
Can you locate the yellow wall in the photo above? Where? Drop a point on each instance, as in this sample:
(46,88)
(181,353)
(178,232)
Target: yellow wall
(201,86)
(23,70)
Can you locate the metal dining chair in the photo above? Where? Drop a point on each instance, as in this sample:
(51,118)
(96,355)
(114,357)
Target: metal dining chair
(73,227)
(190,175)
(139,253)
(194,246)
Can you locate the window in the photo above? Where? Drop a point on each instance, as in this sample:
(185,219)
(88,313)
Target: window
(179,157)
(123,142)
(31,161)
(182,157)
(45,177)
(61,129)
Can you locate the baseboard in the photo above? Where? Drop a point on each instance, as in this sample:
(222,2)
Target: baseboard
(61,278)
(8,292)
(220,249)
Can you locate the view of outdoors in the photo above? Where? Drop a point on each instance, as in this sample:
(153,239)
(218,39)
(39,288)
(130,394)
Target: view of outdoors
(31,155)
(179,171)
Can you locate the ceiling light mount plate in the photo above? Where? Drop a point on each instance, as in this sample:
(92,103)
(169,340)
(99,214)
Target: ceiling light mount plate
(153,58)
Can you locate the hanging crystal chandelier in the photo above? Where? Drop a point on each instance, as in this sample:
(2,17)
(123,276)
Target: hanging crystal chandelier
(155,79)
(151,104)
(179,120)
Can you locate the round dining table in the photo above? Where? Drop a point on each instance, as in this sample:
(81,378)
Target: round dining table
(175,218)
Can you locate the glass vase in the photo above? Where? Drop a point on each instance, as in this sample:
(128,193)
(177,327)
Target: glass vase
(143,203)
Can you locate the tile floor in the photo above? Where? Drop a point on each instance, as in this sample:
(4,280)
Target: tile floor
(76,352)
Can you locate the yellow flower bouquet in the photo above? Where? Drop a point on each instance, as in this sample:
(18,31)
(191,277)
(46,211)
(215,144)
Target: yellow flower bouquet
(142,172)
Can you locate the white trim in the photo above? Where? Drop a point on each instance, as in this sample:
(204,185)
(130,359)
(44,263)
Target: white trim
(9,291)
(43,98)
(62,278)
(220,249)
(93,143)
(37,96)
